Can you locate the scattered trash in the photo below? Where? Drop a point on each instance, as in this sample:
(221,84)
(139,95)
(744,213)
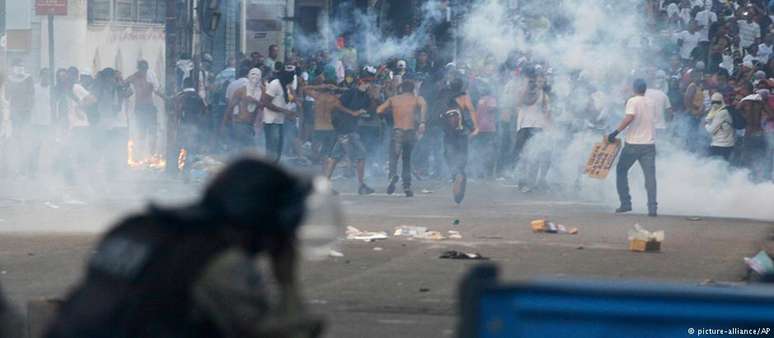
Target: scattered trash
(760,263)
(694,219)
(378,249)
(424,290)
(356,234)
(453,234)
(541,225)
(335,253)
(453,254)
(580,247)
(417,232)
(643,240)
(51,205)
(456,222)
(425,191)
(410,231)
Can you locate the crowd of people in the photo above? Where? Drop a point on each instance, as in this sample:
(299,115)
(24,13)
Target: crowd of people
(709,81)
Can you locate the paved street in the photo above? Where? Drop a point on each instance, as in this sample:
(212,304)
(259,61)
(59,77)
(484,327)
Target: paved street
(402,289)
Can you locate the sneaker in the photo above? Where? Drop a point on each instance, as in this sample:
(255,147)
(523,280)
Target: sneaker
(365,190)
(623,209)
(409,193)
(391,187)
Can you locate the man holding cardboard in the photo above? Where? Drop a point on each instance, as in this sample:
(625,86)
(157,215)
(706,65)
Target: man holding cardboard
(639,145)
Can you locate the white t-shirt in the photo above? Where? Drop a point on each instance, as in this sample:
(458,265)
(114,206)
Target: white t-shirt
(41,112)
(76,116)
(533,116)
(660,103)
(748,32)
(274,89)
(690,41)
(705,18)
(642,130)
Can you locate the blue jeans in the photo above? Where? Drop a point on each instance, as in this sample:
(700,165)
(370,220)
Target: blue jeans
(646,155)
(275,138)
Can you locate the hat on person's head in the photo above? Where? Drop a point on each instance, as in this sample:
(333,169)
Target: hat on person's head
(748,64)
(717,97)
(700,65)
(367,74)
(290,68)
(401,64)
(759,75)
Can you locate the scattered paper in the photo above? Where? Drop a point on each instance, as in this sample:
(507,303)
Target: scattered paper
(51,205)
(356,234)
(335,253)
(453,234)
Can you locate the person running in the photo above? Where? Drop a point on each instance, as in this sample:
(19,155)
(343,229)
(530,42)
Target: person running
(323,136)
(461,124)
(356,100)
(405,132)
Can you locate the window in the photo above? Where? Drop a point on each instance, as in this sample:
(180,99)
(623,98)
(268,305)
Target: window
(99,10)
(143,11)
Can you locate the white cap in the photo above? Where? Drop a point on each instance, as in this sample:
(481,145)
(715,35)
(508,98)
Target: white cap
(752,97)
(401,64)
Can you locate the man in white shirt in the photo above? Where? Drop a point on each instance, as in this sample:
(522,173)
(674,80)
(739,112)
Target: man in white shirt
(688,40)
(276,98)
(749,32)
(639,146)
(766,48)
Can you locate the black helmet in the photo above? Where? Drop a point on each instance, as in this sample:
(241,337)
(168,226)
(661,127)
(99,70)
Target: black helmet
(258,196)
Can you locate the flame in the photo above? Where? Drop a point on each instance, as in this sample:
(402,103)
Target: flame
(154,161)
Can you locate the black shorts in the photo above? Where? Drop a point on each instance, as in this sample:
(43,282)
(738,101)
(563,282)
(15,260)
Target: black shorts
(348,145)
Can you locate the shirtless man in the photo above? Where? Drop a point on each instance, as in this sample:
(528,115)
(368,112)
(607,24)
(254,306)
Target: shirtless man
(405,132)
(248,101)
(145,85)
(325,103)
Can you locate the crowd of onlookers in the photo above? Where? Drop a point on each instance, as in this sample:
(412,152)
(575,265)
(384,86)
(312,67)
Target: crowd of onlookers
(708,68)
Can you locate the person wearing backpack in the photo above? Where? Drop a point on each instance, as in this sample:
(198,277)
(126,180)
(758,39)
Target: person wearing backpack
(720,125)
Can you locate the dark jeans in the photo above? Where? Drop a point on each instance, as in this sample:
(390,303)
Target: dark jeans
(401,146)
(190,138)
(721,152)
(753,155)
(243,137)
(275,138)
(455,150)
(348,145)
(646,155)
(504,147)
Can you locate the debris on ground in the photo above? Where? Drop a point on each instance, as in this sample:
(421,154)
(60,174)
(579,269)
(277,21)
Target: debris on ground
(453,254)
(453,234)
(541,225)
(334,253)
(642,240)
(51,205)
(378,249)
(424,290)
(760,263)
(410,231)
(694,218)
(368,236)
(418,233)
(426,191)
(580,247)
(456,221)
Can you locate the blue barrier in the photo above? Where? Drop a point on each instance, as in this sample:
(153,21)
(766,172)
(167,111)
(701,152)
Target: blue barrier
(609,309)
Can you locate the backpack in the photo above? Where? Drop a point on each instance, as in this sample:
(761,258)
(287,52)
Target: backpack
(737,119)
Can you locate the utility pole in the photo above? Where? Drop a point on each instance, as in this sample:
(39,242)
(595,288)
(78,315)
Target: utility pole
(170,55)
